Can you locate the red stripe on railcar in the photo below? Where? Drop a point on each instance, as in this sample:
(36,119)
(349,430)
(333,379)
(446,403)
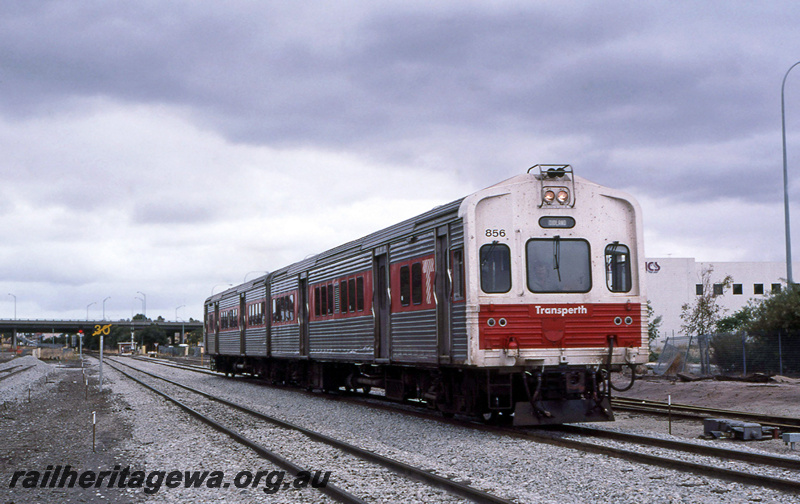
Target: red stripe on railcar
(582,325)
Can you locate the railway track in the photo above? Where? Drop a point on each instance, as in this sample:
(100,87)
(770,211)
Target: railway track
(700,412)
(11,371)
(408,471)
(739,466)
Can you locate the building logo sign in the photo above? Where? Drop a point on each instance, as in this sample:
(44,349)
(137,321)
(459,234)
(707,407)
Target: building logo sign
(652,267)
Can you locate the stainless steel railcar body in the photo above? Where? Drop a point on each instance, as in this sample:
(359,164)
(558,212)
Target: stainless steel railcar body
(447,307)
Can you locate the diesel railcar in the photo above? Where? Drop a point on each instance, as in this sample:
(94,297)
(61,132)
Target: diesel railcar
(518,300)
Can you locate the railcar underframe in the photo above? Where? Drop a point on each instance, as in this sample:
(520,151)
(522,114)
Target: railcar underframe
(535,397)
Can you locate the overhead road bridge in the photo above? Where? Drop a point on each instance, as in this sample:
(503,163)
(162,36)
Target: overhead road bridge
(90,327)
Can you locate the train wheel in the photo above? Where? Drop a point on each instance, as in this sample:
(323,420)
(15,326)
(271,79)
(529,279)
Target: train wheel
(494,417)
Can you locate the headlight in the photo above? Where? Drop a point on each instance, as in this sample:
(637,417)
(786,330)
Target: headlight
(563,197)
(549,196)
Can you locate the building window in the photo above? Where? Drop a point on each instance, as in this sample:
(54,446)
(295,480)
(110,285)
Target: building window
(718,289)
(758,288)
(737,289)
(698,289)
(776,288)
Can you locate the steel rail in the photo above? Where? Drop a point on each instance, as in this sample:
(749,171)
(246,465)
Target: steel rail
(396,466)
(330,490)
(697,412)
(699,449)
(15,372)
(191,367)
(547,437)
(781,484)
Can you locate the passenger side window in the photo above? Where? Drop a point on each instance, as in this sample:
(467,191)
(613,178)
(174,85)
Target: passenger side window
(405,286)
(416,283)
(458,274)
(495,261)
(618,268)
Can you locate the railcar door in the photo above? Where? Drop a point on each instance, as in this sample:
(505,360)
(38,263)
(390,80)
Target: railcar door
(442,283)
(242,323)
(216,327)
(381,304)
(302,318)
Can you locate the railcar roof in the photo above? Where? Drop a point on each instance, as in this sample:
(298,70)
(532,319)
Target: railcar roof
(422,222)
(419,223)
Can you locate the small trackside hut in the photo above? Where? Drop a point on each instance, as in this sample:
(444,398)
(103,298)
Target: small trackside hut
(517,300)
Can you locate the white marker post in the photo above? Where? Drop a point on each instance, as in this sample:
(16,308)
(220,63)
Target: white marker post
(94,422)
(669,410)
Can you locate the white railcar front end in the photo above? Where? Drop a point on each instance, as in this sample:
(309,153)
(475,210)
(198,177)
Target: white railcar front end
(553,285)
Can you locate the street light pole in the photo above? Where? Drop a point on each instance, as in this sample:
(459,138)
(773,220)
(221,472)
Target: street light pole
(176,319)
(87,310)
(14,335)
(144,306)
(226,285)
(248,273)
(789,280)
(104,307)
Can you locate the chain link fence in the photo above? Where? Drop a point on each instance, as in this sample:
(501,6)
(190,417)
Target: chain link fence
(739,354)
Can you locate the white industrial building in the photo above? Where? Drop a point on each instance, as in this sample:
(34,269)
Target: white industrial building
(673,282)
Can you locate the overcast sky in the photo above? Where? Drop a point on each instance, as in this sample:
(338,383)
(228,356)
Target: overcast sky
(171,148)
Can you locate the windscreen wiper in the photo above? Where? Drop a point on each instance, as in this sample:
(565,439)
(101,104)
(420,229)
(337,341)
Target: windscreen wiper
(557,255)
(488,254)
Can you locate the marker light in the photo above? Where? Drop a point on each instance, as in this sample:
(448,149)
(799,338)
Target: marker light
(549,196)
(563,197)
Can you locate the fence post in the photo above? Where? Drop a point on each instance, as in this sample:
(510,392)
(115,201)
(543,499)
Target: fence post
(686,357)
(780,355)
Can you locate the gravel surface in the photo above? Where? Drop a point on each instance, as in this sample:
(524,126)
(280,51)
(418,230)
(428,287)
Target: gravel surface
(142,431)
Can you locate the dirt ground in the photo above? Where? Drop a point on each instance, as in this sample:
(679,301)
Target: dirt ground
(781,396)
(54,428)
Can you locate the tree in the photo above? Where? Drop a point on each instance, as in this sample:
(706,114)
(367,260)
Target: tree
(151,335)
(194,337)
(653,323)
(703,316)
(779,312)
(741,320)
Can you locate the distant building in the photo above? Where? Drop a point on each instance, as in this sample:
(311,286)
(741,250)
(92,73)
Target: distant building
(673,282)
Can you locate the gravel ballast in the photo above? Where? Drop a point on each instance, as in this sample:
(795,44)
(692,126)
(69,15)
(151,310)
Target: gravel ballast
(143,431)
